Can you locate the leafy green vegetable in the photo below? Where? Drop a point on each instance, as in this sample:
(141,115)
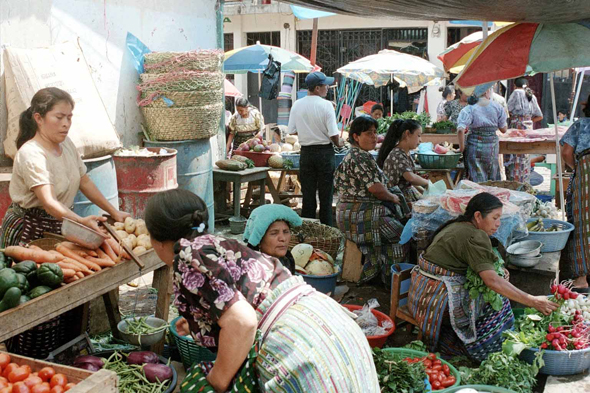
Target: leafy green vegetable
(444,125)
(475,285)
(287,164)
(506,371)
(385,122)
(397,375)
(417,345)
(530,330)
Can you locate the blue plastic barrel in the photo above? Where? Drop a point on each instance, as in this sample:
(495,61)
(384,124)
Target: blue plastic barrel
(194,170)
(405,285)
(102,172)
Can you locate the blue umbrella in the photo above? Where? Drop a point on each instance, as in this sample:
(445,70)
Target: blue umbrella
(254,58)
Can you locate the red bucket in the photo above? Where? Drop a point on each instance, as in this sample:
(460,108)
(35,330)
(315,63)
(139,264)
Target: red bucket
(375,341)
(260,159)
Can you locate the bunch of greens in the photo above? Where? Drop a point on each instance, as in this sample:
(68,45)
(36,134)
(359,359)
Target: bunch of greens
(507,371)
(476,286)
(444,125)
(385,122)
(397,375)
(417,345)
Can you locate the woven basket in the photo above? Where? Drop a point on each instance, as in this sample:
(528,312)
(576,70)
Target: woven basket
(45,243)
(320,236)
(181,81)
(510,185)
(181,99)
(177,124)
(197,60)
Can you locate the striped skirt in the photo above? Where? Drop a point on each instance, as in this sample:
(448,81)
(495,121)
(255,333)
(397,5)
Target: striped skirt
(22,226)
(481,154)
(575,258)
(449,319)
(518,166)
(314,346)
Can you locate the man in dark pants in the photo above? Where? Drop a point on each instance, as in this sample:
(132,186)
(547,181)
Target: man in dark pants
(313,119)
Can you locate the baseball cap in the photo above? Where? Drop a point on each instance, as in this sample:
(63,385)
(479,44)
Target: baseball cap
(317,79)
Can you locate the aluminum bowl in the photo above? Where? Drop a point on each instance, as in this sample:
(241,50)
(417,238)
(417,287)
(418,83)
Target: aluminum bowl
(524,261)
(82,235)
(527,248)
(144,339)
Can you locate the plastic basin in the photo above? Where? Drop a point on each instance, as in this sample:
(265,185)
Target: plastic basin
(144,339)
(260,159)
(375,341)
(552,241)
(295,158)
(325,284)
(560,362)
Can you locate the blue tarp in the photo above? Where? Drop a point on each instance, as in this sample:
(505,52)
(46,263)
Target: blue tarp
(306,13)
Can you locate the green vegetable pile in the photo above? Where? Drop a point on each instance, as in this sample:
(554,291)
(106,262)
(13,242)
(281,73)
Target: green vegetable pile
(475,285)
(507,371)
(444,125)
(140,327)
(131,376)
(398,376)
(385,122)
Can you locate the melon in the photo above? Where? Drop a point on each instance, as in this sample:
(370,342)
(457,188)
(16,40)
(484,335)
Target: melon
(275,148)
(276,161)
(291,139)
(319,267)
(287,147)
(296,146)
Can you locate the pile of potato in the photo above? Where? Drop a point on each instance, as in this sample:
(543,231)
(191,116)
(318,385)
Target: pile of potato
(134,234)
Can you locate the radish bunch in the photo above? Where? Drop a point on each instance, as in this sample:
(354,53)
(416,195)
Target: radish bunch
(563,290)
(571,337)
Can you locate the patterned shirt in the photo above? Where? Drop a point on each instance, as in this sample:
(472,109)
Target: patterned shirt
(519,104)
(355,175)
(485,113)
(211,273)
(254,122)
(578,136)
(396,164)
(452,110)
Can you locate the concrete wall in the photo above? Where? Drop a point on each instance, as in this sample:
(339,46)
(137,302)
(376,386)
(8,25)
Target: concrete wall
(101,27)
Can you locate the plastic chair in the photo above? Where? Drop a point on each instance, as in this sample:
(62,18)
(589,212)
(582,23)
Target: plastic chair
(402,312)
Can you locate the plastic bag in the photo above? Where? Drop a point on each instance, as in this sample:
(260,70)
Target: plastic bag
(425,148)
(138,50)
(368,321)
(438,188)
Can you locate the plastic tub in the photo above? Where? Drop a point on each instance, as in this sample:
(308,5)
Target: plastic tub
(552,241)
(560,362)
(438,161)
(375,341)
(260,159)
(295,158)
(405,285)
(544,198)
(479,388)
(324,284)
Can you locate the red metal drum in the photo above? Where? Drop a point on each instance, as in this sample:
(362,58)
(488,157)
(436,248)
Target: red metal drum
(139,178)
(5,200)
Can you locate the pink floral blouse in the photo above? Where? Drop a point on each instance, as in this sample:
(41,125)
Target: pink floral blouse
(211,273)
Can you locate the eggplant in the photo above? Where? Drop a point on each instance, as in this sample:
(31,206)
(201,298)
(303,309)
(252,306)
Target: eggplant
(98,362)
(157,372)
(142,357)
(88,366)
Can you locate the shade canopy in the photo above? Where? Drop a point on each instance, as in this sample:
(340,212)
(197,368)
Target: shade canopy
(254,58)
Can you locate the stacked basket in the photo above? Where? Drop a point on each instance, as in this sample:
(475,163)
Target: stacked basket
(181,94)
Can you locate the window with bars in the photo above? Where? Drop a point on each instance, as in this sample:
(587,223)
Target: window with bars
(265,38)
(228,41)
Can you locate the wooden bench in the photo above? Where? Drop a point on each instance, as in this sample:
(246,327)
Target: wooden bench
(402,312)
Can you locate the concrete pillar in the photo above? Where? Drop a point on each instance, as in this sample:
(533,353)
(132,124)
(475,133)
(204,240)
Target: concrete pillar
(437,42)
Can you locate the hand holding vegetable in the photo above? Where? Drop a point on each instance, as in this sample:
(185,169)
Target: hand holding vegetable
(92,222)
(120,216)
(544,305)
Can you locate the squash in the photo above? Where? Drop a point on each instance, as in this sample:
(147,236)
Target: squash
(3,261)
(38,291)
(8,279)
(27,268)
(230,165)
(23,283)
(276,161)
(10,299)
(50,274)
(23,299)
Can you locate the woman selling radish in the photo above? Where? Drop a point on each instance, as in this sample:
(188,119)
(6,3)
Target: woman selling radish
(47,173)
(245,124)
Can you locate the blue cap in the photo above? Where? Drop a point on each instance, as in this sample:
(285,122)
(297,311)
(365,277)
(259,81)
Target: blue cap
(318,78)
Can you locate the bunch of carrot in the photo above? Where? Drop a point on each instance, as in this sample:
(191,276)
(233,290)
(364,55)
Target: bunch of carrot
(75,261)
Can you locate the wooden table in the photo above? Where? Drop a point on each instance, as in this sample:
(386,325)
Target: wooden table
(104,283)
(440,138)
(257,174)
(542,147)
(282,177)
(435,175)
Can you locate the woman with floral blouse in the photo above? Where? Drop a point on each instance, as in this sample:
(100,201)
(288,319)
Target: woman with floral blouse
(361,212)
(227,292)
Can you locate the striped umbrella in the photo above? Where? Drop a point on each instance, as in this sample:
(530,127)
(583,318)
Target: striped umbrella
(456,55)
(525,49)
(254,58)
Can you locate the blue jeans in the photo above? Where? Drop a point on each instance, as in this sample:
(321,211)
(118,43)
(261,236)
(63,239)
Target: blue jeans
(317,165)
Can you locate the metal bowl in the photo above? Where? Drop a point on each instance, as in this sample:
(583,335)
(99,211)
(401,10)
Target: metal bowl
(527,248)
(82,235)
(144,339)
(524,261)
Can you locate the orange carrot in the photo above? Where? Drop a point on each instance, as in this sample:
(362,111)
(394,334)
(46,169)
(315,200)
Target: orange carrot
(68,273)
(117,248)
(75,247)
(81,267)
(70,280)
(65,265)
(34,247)
(102,254)
(70,254)
(101,262)
(80,274)
(23,254)
(109,251)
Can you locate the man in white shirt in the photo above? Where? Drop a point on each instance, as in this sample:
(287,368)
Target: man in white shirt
(313,119)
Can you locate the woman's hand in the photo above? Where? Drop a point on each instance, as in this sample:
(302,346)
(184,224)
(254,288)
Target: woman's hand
(92,222)
(544,305)
(120,216)
(182,327)
(395,199)
(506,275)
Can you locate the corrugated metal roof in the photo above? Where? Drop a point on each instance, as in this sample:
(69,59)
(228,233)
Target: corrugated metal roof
(504,10)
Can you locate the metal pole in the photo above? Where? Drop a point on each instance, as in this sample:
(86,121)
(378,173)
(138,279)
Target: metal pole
(391,97)
(484,29)
(580,81)
(259,97)
(557,148)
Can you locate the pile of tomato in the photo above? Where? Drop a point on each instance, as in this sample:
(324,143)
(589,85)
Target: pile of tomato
(439,374)
(21,379)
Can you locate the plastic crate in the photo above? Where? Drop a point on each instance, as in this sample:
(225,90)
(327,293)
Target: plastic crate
(375,341)
(438,161)
(295,158)
(190,352)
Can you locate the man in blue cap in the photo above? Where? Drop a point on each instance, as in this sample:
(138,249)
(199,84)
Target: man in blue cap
(313,119)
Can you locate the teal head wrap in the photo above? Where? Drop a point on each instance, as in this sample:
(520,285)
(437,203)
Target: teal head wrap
(262,217)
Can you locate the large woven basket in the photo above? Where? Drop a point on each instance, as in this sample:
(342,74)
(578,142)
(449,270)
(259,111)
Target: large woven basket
(177,124)
(196,60)
(180,99)
(510,185)
(181,81)
(320,236)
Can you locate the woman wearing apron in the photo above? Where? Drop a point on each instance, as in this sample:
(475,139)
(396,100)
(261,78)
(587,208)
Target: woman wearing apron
(245,124)
(47,173)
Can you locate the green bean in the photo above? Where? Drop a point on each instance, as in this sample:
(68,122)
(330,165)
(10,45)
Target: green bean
(131,376)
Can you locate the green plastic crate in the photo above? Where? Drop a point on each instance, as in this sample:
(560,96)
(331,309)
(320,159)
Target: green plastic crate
(479,388)
(190,352)
(438,161)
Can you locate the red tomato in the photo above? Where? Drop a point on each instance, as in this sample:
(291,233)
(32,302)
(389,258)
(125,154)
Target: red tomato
(8,369)
(18,374)
(20,387)
(46,373)
(428,362)
(3,384)
(69,386)
(33,380)
(58,389)
(436,385)
(42,388)
(448,382)
(4,359)
(2,379)
(58,380)
(432,356)
(437,367)
(428,371)
(437,361)
(446,369)
(6,390)
(26,367)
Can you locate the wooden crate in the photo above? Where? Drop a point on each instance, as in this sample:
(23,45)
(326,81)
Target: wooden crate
(103,381)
